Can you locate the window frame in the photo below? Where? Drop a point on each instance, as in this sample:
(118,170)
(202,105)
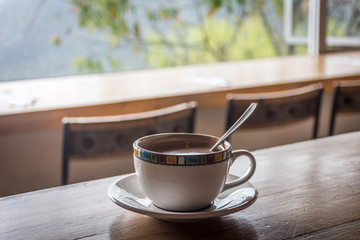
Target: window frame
(317,41)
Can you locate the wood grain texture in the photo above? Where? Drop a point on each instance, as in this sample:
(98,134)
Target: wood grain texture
(306,190)
(136,91)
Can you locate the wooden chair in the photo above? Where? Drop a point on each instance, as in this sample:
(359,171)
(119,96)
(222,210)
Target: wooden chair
(100,137)
(277,108)
(346,101)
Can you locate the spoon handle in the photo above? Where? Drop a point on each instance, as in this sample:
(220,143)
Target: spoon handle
(237,124)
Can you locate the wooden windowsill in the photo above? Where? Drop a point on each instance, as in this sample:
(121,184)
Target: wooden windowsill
(135,91)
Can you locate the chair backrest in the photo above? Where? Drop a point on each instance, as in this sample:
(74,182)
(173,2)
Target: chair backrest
(346,100)
(85,137)
(277,108)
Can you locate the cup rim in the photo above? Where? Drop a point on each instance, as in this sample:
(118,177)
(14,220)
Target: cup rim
(181,159)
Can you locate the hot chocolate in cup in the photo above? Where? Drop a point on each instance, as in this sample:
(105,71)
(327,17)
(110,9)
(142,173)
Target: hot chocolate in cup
(178,172)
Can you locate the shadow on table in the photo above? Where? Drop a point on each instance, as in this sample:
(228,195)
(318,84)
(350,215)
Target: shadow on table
(144,227)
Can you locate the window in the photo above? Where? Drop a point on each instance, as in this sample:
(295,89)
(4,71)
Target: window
(50,38)
(336,23)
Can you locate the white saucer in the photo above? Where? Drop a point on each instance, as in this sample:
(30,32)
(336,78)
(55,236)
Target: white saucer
(127,193)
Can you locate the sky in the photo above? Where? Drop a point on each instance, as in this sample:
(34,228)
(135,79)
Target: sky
(27,50)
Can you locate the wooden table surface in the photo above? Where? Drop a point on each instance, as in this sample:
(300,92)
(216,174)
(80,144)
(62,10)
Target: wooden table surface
(306,190)
(138,91)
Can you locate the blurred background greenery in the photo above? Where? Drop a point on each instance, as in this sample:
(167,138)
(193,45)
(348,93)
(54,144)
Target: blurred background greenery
(47,38)
(173,33)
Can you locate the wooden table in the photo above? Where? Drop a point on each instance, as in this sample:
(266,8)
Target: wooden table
(137,91)
(306,190)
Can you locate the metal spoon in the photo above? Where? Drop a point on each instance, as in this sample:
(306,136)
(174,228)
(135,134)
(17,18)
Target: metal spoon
(237,124)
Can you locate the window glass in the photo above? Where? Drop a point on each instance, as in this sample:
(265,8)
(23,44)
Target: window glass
(300,17)
(43,38)
(49,38)
(342,24)
(343,18)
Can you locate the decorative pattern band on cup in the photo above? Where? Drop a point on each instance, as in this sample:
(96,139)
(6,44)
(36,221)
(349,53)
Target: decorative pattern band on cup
(201,159)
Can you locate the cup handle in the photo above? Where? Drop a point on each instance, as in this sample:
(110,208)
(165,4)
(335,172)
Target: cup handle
(249,172)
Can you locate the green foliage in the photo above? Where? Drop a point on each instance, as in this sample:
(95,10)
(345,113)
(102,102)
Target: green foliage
(220,30)
(103,15)
(56,40)
(229,30)
(114,63)
(248,43)
(332,28)
(85,64)
(279,6)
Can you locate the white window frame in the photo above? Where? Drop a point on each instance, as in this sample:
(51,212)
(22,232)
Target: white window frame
(316,39)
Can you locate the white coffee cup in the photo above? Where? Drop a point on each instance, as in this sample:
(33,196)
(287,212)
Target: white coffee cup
(178,172)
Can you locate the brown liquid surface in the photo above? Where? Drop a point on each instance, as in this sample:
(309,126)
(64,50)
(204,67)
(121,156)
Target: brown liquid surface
(181,144)
(188,151)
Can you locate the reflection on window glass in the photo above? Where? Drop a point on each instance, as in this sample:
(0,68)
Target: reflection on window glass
(300,17)
(343,18)
(49,38)
(342,24)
